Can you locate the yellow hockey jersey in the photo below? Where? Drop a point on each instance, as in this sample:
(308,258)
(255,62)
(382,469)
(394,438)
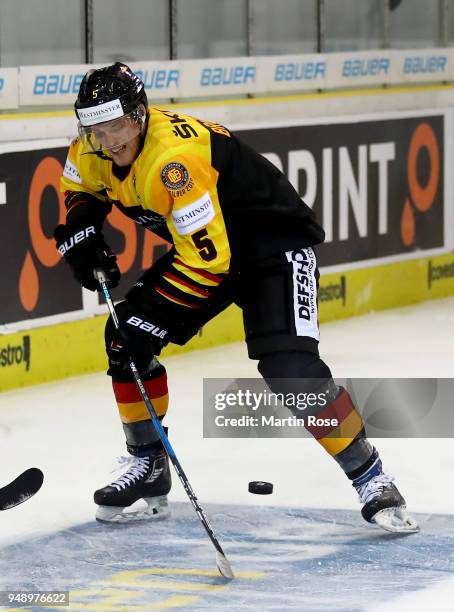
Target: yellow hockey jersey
(194,183)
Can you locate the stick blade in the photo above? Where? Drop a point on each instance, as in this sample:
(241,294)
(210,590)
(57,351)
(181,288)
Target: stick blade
(224,566)
(21,488)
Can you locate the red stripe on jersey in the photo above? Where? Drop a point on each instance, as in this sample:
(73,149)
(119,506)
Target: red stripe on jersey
(174,299)
(186,283)
(213,277)
(128,393)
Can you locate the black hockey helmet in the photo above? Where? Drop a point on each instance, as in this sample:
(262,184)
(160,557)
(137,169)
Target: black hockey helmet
(107,93)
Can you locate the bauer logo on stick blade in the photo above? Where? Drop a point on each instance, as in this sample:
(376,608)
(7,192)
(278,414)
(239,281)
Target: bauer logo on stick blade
(260,488)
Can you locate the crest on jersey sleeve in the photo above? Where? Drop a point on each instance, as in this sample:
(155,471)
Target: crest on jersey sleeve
(175,176)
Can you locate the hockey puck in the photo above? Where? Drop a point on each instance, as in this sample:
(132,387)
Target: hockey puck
(260,488)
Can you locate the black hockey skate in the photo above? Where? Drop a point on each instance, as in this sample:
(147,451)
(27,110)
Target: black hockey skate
(385,506)
(146,479)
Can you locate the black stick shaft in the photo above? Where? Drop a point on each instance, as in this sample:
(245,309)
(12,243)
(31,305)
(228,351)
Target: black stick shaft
(222,562)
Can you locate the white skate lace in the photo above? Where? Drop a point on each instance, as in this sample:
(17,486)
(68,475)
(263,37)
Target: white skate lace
(374,487)
(138,467)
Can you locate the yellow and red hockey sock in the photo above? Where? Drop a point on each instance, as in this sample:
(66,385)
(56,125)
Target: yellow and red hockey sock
(345,439)
(137,424)
(345,424)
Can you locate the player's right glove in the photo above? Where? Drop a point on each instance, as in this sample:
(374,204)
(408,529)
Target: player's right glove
(84,249)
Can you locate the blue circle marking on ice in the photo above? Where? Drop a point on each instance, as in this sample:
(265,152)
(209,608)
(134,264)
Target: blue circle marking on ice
(283,558)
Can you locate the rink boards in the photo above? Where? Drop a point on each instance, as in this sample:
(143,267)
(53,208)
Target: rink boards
(283,558)
(49,353)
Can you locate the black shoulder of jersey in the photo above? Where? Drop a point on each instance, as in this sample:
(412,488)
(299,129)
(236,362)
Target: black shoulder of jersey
(148,219)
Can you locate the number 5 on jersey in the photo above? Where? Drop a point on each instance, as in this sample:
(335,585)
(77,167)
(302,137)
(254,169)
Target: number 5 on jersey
(204,245)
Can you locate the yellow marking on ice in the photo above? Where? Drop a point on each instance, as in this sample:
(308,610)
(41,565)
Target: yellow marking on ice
(175,601)
(106,599)
(109,597)
(146,577)
(119,600)
(190,572)
(131,579)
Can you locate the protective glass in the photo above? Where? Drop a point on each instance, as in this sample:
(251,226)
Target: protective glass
(113,134)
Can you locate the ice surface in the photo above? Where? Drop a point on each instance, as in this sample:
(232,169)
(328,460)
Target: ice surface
(308,536)
(283,559)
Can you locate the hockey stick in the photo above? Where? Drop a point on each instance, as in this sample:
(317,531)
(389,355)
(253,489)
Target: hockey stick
(221,560)
(21,488)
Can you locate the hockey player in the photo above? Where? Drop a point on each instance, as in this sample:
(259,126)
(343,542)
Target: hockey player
(239,233)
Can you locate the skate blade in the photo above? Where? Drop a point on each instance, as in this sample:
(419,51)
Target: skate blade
(149,508)
(396,520)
